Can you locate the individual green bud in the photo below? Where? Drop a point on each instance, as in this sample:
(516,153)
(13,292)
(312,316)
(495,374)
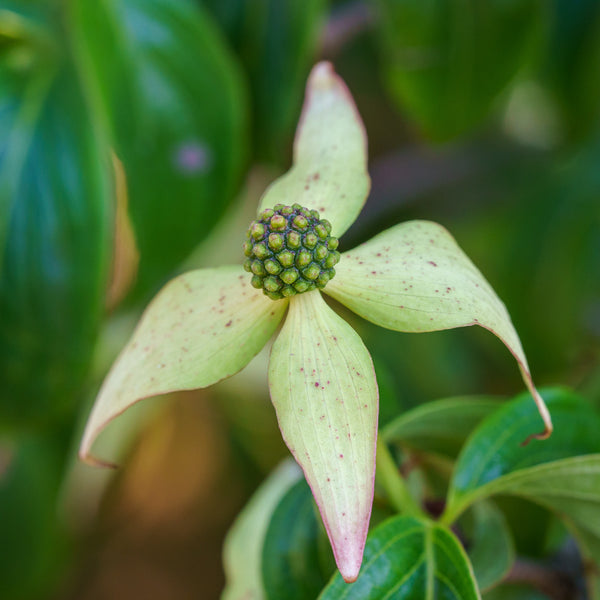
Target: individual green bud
(320,252)
(310,239)
(288,291)
(260,250)
(278,222)
(266,214)
(311,272)
(271,284)
(331,260)
(321,231)
(248,265)
(289,276)
(257,230)
(287,211)
(247,249)
(333,243)
(276,241)
(278,207)
(302,286)
(272,266)
(314,214)
(323,279)
(286,258)
(258,268)
(303,258)
(294,240)
(300,222)
(274,295)
(256,282)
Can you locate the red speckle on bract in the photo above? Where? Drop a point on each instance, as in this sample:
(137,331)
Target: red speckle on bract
(316,384)
(432,263)
(228,324)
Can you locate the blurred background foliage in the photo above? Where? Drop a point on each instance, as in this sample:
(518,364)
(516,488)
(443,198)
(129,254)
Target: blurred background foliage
(135,139)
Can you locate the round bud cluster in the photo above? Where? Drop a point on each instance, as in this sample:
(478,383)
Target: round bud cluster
(289,250)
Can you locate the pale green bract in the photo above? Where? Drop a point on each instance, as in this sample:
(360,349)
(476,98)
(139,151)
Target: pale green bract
(208,324)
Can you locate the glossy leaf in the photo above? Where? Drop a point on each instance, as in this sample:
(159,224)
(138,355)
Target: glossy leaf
(329,173)
(323,388)
(493,458)
(276,42)
(55,199)
(202,327)
(414,277)
(446,64)
(172,97)
(491,549)
(440,426)
(294,559)
(242,550)
(409,559)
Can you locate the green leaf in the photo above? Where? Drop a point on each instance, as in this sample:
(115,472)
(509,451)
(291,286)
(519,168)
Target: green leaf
(323,388)
(55,196)
(494,460)
(491,549)
(203,326)
(440,426)
(277,43)
(572,59)
(409,559)
(514,592)
(242,550)
(446,62)
(561,474)
(413,277)
(329,173)
(172,97)
(293,565)
(33,553)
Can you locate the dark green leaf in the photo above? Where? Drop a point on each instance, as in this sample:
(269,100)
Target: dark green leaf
(573,63)
(242,550)
(409,559)
(491,549)
(33,548)
(173,99)
(277,43)
(292,558)
(446,62)
(441,426)
(55,193)
(514,592)
(495,449)
(561,473)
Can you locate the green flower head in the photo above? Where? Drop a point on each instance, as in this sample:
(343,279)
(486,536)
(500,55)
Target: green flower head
(207,324)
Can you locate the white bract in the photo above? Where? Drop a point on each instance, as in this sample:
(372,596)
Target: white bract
(207,324)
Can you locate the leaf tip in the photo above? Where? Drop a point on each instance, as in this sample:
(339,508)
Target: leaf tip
(92,461)
(544,413)
(349,566)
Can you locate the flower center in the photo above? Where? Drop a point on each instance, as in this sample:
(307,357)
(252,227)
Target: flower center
(290,250)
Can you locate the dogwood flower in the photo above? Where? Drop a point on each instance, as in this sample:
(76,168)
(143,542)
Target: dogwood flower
(207,324)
